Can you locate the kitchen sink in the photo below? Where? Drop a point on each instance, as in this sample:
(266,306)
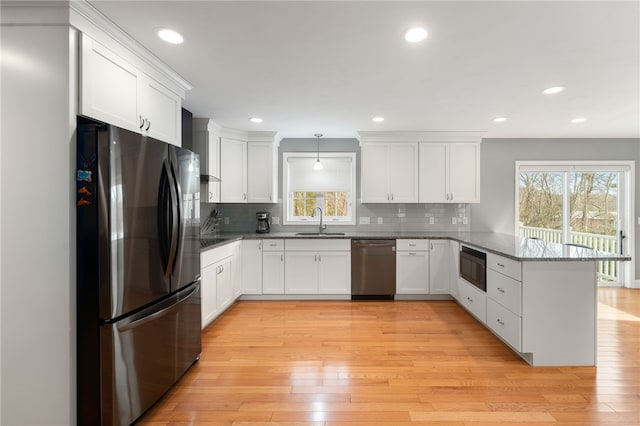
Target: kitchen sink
(320,234)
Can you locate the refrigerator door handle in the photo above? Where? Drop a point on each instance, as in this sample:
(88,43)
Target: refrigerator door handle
(144,316)
(169,220)
(176,208)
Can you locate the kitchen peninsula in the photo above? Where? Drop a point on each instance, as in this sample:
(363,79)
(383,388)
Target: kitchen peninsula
(540,297)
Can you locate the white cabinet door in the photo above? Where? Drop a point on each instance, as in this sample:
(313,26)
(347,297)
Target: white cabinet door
(300,275)
(236,263)
(208,294)
(224,284)
(110,87)
(449,173)
(273,272)
(162,109)
(252,264)
(403,172)
(233,171)
(334,272)
(261,170)
(210,192)
(464,163)
(374,174)
(412,272)
(440,266)
(474,300)
(433,173)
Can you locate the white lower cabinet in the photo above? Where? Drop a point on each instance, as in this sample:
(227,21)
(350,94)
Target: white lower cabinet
(412,267)
(473,300)
(505,324)
(273,267)
(317,267)
(441,267)
(334,272)
(220,280)
(300,273)
(252,266)
(208,293)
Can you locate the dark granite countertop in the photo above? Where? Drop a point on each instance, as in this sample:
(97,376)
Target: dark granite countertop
(516,248)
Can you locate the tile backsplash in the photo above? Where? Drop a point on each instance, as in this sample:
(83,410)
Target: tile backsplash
(394,217)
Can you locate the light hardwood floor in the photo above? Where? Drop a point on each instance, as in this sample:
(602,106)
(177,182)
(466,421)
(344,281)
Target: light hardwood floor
(397,363)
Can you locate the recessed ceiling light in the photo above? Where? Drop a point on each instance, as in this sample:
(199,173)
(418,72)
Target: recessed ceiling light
(579,120)
(377,119)
(415,35)
(170,36)
(553,90)
(255,120)
(499,119)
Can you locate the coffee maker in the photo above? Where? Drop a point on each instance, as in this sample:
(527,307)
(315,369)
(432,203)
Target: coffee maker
(263,222)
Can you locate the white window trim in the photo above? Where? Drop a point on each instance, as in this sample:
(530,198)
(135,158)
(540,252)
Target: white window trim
(286,201)
(625,166)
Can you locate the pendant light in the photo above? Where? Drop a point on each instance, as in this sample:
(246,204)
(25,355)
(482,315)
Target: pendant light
(318,165)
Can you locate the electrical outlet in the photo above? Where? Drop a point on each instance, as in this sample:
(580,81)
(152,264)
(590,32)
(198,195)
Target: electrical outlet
(454,220)
(226,220)
(431,220)
(465,220)
(365,220)
(275,220)
(380,220)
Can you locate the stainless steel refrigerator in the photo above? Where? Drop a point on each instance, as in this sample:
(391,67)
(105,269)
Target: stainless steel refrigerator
(138,271)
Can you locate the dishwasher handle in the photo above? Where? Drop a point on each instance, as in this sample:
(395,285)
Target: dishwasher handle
(374,244)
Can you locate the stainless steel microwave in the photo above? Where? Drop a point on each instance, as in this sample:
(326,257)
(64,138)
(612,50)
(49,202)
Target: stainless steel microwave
(473,267)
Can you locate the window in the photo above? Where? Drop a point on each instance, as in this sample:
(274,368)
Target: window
(576,203)
(332,188)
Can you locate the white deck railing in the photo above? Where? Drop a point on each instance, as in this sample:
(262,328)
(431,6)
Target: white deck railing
(607,269)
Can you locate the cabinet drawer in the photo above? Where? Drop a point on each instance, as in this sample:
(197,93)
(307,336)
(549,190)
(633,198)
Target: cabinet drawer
(412,245)
(216,254)
(475,301)
(505,323)
(307,244)
(510,268)
(273,245)
(505,290)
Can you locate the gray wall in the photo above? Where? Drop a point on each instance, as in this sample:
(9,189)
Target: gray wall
(496,211)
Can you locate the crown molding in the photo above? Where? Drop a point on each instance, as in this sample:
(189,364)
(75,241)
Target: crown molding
(91,21)
(419,136)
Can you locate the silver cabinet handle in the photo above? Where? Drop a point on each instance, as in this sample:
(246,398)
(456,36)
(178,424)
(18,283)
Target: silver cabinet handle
(244,196)
(392,196)
(142,120)
(500,265)
(470,299)
(412,245)
(388,197)
(431,246)
(500,321)
(319,258)
(412,254)
(148,124)
(500,290)
(282,258)
(210,195)
(270,197)
(259,246)
(451,197)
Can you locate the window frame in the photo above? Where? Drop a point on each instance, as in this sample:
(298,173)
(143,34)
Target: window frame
(287,198)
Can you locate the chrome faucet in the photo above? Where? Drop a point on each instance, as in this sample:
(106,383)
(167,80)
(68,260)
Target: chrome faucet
(313,214)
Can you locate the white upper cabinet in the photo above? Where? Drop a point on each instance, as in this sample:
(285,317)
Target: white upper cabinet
(119,92)
(233,171)
(449,172)
(389,172)
(262,172)
(109,86)
(248,167)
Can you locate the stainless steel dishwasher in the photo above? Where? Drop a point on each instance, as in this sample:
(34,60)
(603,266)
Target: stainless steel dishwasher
(373,269)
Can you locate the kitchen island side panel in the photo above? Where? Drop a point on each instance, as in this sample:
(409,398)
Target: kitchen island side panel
(559,309)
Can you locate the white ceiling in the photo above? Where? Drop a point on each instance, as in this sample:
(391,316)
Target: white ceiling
(330,66)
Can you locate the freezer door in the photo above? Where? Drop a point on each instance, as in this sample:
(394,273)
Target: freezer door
(185,175)
(144,355)
(130,170)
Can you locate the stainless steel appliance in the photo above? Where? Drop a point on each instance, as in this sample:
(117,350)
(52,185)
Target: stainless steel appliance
(138,271)
(263,222)
(373,269)
(473,267)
